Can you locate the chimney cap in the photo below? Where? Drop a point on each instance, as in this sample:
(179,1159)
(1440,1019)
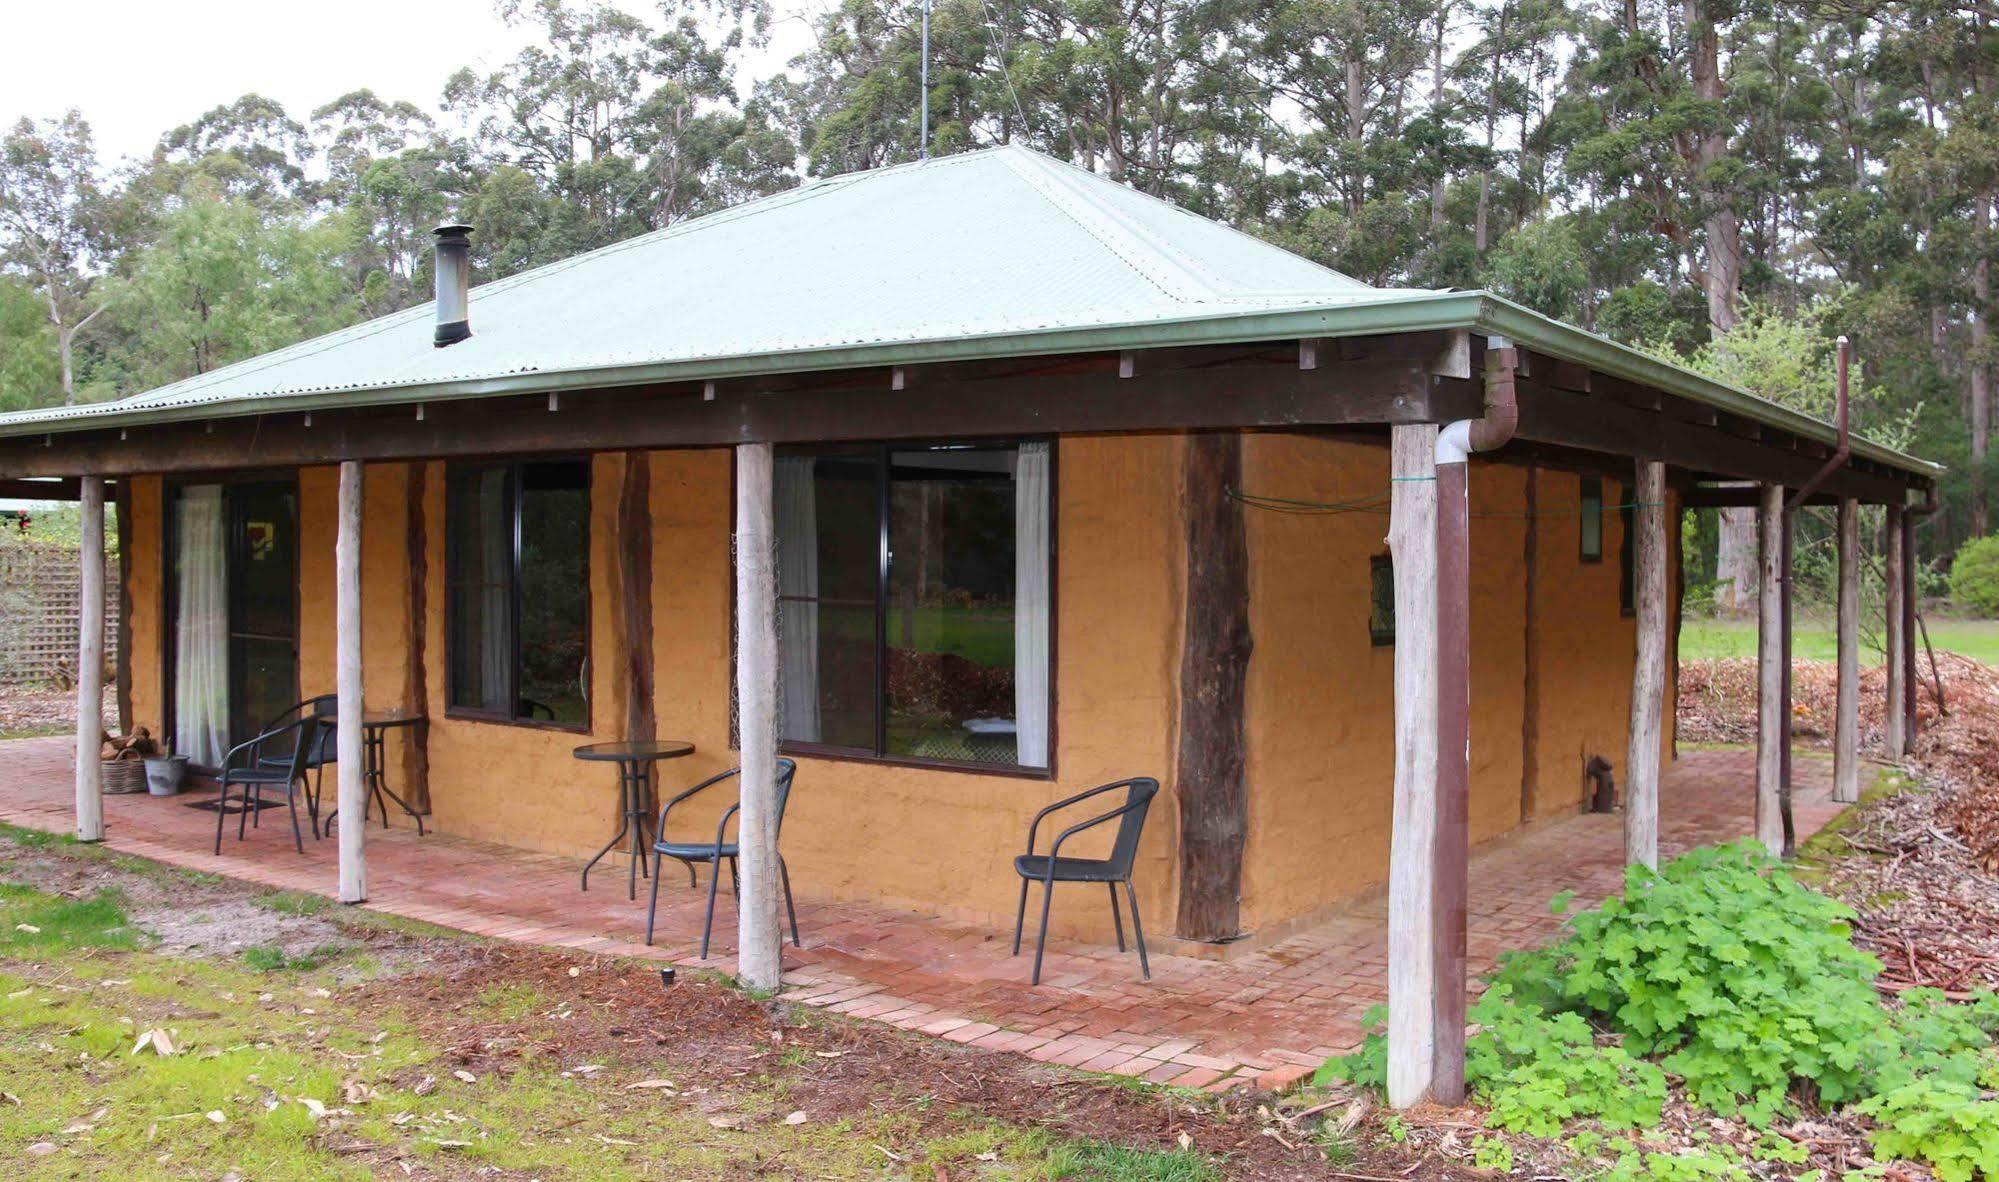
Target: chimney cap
(453,230)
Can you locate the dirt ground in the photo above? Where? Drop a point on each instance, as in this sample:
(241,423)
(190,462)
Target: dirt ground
(443,1056)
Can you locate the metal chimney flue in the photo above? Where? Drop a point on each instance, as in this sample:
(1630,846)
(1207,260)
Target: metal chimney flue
(454,284)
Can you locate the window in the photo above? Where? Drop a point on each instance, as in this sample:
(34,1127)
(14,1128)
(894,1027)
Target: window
(1381,601)
(1592,519)
(517,584)
(913,602)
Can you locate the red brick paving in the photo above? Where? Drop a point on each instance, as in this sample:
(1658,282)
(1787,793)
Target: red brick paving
(1265,1015)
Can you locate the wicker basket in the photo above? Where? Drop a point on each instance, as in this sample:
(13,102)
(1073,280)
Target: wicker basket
(123,777)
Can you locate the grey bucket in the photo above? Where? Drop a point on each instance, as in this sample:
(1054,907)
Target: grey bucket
(164,774)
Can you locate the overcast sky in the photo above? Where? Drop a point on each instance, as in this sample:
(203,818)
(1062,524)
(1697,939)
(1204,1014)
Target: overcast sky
(137,68)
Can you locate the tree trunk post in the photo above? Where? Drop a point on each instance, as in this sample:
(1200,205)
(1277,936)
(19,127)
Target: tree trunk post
(1648,674)
(416,672)
(1894,734)
(1412,969)
(90,665)
(1770,670)
(635,593)
(1209,787)
(123,670)
(1846,711)
(351,791)
(759,950)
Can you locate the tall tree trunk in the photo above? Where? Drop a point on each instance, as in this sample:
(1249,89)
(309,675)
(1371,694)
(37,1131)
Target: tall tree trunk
(1722,277)
(1981,371)
(1436,107)
(1481,223)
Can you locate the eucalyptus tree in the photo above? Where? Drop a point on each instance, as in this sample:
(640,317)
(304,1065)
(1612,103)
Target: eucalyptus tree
(52,218)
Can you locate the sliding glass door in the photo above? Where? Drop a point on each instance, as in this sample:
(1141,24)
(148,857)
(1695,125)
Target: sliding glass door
(233,602)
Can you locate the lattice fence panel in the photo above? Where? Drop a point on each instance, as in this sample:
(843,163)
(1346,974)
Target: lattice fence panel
(39,597)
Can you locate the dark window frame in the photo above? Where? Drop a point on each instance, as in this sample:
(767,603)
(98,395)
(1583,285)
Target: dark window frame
(880,452)
(452,710)
(1589,500)
(1380,631)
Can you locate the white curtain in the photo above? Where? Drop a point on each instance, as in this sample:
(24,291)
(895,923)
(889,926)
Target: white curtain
(496,576)
(201,629)
(796,510)
(1030,604)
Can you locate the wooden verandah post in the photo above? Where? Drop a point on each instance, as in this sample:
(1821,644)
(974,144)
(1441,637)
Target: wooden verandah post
(1846,710)
(351,791)
(90,664)
(1412,903)
(1894,720)
(1770,671)
(1648,674)
(759,962)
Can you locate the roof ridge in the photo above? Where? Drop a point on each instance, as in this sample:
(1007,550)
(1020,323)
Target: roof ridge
(1164,246)
(1175,276)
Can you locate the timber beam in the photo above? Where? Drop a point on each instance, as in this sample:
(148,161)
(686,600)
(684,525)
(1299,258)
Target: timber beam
(1246,395)
(1597,423)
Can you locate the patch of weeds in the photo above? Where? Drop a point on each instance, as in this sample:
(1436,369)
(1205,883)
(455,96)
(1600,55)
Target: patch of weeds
(300,903)
(414,928)
(36,839)
(1492,1153)
(1100,1162)
(33,920)
(513,1002)
(1336,1143)
(269,958)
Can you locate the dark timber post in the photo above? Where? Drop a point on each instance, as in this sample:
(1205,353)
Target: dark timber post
(416,674)
(635,593)
(1214,667)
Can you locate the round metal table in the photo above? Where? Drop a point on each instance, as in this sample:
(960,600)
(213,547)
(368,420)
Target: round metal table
(375,725)
(634,760)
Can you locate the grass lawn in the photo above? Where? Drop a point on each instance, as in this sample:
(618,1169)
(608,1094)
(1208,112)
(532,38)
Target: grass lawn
(310,1041)
(1813,640)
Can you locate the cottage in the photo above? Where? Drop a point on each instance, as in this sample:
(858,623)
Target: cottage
(966,485)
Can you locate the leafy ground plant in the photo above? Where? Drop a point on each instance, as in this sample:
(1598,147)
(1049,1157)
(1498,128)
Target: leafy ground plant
(1723,972)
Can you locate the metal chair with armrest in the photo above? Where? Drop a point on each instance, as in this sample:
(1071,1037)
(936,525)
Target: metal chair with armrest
(718,851)
(1051,868)
(248,769)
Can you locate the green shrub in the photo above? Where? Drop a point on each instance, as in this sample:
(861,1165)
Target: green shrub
(1947,1125)
(1721,969)
(1533,1070)
(1974,576)
(1738,979)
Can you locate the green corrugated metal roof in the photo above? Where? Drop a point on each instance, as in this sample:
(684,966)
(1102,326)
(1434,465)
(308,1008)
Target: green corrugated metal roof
(993,253)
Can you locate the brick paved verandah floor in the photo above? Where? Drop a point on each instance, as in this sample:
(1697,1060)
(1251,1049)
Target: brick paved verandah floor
(1267,1015)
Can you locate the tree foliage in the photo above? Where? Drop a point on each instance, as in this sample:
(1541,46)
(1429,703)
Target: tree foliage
(1662,172)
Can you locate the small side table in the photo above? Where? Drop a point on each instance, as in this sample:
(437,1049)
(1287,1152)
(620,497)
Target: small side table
(634,760)
(374,759)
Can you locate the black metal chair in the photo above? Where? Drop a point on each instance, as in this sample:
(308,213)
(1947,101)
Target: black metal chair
(714,853)
(325,745)
(1051,867)
(247,770)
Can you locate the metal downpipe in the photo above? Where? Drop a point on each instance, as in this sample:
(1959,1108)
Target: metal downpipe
(1455,443)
